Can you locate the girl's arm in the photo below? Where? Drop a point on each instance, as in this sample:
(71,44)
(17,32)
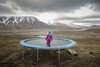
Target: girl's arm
(51,37)
(46,37)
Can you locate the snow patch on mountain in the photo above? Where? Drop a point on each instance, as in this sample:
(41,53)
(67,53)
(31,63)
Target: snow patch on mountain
(16,19)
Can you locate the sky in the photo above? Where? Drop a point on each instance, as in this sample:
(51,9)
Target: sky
(63,11)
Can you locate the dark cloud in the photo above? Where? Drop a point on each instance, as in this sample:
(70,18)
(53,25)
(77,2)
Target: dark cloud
(3,1)
(5,11)
(55,5)
(52,5)
(97,3)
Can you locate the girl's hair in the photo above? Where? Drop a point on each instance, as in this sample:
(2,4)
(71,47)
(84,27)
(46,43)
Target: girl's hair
(50,32)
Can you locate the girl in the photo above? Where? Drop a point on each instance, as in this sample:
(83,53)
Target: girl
(48,38)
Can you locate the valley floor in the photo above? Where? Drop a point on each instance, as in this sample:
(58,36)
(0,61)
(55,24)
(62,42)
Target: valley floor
(88,48)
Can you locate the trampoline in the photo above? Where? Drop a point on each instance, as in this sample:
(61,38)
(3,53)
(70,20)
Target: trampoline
(40,44)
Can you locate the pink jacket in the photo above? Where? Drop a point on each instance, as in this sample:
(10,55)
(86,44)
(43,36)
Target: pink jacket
(48,37)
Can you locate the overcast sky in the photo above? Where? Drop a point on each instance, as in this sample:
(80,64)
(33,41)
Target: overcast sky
(66,11)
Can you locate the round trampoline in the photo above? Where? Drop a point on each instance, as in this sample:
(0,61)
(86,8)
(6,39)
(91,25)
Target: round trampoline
(40,44)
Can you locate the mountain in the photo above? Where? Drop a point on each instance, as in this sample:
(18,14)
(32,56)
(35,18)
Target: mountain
(21,22)
(29,22)
(95,26)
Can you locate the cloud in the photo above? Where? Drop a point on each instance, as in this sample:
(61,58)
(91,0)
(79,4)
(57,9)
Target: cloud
(85,14)
(5,11)
(47,5)
(97,3)
(65,11)
(54,5)
(85,11)
(3,1)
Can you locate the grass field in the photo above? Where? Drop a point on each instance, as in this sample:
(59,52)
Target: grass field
(88,50)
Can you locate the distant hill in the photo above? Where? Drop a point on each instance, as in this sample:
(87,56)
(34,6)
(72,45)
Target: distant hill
(95,30)
(95,26)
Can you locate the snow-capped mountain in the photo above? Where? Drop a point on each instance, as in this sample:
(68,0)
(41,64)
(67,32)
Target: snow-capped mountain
(20,22)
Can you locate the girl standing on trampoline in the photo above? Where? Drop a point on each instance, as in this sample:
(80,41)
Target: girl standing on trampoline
(49,38)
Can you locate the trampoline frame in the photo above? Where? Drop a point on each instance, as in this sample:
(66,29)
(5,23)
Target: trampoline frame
(72,44)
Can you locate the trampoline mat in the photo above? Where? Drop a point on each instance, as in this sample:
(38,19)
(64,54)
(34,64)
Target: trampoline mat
(42,42)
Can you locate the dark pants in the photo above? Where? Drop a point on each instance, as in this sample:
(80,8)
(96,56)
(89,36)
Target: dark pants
(48,42)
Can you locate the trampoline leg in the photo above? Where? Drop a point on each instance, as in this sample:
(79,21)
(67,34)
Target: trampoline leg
(23,52)
(37,55)
(59,55)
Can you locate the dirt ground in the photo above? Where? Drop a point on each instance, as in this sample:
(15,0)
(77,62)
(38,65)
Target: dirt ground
(88,50)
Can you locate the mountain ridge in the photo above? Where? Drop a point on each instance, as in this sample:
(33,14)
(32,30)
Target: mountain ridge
(20,22)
